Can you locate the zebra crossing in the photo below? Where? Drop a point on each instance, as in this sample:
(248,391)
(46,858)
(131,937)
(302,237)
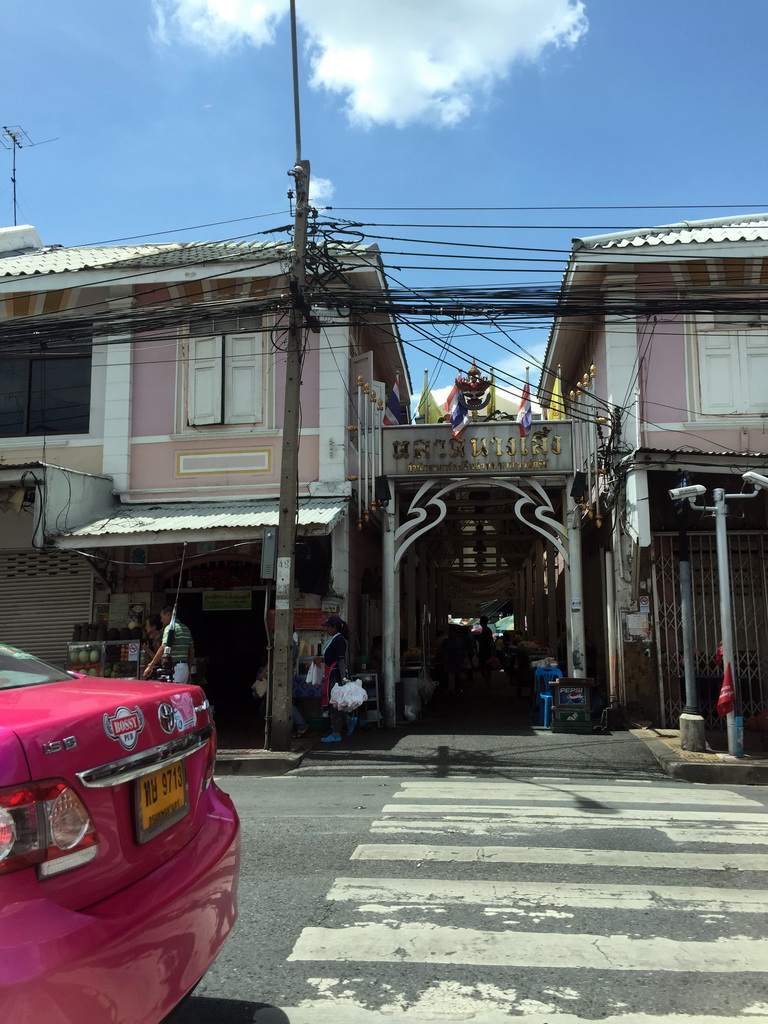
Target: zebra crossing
(552,901)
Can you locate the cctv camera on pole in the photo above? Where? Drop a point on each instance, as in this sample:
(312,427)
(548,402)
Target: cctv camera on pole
(690,491)
(758,481)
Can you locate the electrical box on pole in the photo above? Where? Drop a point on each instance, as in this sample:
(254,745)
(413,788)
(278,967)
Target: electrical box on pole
(269,553)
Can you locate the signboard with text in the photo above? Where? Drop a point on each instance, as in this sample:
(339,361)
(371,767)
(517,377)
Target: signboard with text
(303,618)
(489,448)
(227,600)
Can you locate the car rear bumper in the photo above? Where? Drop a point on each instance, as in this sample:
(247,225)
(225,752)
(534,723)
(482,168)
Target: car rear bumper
(130,958)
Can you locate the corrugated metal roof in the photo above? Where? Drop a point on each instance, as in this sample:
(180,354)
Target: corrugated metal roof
(175,517)
(688,453)
(745,228)
(58,259)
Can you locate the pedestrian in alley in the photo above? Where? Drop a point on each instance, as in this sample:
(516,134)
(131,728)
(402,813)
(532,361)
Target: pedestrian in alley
(485,650)
(334,664)
(470,649)
(455,659)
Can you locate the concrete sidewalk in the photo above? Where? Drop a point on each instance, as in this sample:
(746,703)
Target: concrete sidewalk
(664,744)
(713,766)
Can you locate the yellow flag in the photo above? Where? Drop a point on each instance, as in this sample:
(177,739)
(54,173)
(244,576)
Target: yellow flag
(490,409)
(556,406)
(428,407)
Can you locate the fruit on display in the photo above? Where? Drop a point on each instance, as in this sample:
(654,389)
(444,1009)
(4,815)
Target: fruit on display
(115,655)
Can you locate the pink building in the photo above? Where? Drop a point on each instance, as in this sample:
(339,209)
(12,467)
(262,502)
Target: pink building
(662,351)
(141,427)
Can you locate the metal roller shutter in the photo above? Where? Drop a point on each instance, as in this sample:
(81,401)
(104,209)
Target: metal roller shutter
(42,595)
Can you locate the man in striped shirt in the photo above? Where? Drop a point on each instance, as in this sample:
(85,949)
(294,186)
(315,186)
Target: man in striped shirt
(182,648)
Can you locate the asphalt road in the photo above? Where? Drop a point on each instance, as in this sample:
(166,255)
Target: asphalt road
(547,883)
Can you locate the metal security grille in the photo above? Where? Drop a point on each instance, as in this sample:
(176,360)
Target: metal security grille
(749,599)
(42,595)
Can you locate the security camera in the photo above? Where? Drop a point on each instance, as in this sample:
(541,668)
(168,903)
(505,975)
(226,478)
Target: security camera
(692,491)
(757,479)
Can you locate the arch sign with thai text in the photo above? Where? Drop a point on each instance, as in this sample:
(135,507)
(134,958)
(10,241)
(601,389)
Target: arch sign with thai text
(488,448)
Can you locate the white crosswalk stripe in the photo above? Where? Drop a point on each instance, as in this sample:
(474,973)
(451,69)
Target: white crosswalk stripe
(411,891)
(535,855)
(589,881)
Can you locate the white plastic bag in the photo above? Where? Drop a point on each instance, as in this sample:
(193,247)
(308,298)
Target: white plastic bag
(348,696)
(314,675)
(427,686)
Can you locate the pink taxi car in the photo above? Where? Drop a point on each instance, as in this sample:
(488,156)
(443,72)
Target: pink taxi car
(119,855)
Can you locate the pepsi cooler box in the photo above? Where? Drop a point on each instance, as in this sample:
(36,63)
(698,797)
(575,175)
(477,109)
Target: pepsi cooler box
(572,704)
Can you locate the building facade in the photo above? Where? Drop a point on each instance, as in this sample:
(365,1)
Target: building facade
(141,441)
(661,355)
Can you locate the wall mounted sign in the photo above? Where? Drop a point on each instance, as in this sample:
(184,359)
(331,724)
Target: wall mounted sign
(303,618)
(227,600)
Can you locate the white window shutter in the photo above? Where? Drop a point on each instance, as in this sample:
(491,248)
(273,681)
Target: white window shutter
(243,397)
(754,346)
(719,372)
(204,400)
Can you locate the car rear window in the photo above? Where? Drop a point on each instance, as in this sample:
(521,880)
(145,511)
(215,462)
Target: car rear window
(18,668)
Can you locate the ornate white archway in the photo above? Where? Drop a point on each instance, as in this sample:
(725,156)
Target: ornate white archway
(533,508)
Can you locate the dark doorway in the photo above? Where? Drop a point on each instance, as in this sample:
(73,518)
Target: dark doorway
(231,645)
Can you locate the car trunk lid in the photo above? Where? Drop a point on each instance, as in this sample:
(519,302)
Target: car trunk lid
(135,755)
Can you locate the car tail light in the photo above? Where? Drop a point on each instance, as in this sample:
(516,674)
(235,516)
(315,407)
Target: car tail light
(45,824)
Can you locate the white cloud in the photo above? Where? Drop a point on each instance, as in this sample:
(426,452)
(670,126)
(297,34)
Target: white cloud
(218,25)
(320,190)
(394,61)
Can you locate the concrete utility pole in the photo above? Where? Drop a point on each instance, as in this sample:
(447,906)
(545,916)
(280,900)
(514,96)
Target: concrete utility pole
(282,664)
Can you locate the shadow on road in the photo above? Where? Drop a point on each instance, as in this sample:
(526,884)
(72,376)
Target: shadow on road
(208,1010)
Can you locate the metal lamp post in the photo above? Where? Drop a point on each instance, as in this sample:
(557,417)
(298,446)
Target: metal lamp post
(692,736)
(734,720)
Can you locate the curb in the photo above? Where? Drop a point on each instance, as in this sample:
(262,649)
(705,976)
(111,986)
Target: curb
(742,772)
(257,762)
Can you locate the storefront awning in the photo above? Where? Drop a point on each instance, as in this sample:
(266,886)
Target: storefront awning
(174,522)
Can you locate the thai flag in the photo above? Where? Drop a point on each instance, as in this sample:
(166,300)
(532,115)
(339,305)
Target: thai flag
(458,412)
(393,410)
(524,413)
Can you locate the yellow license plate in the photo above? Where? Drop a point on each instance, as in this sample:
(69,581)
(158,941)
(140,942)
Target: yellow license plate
(162,799)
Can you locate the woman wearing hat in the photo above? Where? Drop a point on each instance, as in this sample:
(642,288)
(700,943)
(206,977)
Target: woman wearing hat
(334,662)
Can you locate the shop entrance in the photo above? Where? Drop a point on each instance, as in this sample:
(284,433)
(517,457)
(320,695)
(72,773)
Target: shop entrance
(231,645)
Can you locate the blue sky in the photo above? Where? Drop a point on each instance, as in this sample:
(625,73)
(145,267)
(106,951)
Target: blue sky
(172,114)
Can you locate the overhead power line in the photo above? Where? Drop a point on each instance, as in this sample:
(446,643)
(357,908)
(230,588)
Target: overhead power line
(515,209)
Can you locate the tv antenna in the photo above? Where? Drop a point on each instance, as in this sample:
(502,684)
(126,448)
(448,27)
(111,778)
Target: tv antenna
(13,138)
